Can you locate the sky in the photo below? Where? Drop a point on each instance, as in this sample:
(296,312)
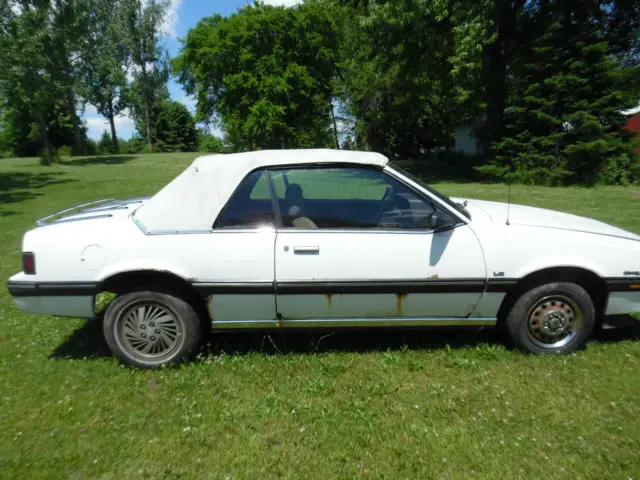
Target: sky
(182,15)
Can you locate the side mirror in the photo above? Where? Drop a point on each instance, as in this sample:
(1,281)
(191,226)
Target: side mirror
(434,221)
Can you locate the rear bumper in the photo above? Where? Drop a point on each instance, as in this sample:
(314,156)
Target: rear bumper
(64,299)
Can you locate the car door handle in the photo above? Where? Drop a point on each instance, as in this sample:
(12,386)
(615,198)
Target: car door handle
(300,250)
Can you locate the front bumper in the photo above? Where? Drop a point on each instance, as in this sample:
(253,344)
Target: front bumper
(623,302)
(63,299)
(624,295)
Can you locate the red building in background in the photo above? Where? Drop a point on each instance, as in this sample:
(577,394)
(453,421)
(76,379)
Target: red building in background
(633,123)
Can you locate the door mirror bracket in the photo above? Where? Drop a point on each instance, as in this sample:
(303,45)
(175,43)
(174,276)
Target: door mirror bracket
(435,221)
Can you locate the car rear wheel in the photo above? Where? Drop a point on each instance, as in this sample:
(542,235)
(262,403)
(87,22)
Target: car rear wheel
(151,329)
(553,318)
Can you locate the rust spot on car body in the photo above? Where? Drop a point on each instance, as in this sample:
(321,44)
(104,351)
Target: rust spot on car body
(400,297)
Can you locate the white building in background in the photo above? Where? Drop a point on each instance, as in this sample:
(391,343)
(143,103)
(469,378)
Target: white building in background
(465,140)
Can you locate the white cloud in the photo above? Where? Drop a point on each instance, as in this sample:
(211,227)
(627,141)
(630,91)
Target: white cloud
(216,131)
(282,3)
(97,124)
(124,125)
(168,26)
(189,102)
(90,110)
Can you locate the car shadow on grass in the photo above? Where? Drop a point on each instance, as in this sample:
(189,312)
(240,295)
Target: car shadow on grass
(99,160)
(88,341)
(356,341)
(85,342)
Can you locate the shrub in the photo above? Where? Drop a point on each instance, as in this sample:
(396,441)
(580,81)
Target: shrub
(133,145)
(635,169)
(617,170)
(211,144)
(44,160)
(91,147)
(63,151)
(445,166)
(155,148)
(104,144)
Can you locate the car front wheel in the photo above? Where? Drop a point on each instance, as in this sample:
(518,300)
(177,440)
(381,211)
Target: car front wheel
(553,318)
(151,329)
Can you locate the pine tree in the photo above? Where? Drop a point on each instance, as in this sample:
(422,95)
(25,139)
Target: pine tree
(105,145)
(565,125)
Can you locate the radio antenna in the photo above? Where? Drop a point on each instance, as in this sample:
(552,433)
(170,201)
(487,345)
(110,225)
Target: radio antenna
(509,175)
(508,200)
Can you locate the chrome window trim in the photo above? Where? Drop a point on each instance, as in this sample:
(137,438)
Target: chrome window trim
(258,229)
(270,229)
(144,230)
(395,231)
(138,223)
(178,232)
(246,229)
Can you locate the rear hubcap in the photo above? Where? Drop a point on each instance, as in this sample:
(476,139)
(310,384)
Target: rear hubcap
(553,321)
(149,330)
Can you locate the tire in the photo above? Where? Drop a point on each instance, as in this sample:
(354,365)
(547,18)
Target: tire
(166,331)
(553,318)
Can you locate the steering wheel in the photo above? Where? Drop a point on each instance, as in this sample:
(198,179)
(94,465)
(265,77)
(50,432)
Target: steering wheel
(387,194)
(386,204)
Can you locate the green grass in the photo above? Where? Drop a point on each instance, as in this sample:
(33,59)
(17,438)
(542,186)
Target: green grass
(348,405)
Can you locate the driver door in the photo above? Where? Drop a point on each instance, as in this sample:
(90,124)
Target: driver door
(366,255)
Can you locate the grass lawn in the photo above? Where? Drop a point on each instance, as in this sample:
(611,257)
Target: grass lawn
(373,404)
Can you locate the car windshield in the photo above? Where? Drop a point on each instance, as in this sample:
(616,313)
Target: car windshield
(455,205)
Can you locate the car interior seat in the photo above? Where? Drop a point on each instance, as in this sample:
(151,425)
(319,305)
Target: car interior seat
(295,204)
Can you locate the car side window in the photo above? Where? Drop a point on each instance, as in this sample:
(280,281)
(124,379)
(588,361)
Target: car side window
(348,197)
(250,205)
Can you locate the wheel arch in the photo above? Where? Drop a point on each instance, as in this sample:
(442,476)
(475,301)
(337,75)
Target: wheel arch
(156,280)
(593,283)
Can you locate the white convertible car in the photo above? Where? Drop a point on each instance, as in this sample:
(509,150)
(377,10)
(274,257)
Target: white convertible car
(322,238)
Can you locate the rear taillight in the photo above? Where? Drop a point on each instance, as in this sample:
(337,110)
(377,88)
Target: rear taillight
(29,263)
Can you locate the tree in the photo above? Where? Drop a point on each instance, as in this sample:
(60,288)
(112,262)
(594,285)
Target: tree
(623,30)
(175,128)
(410,71)
(104,62)
(21,129)
(68,27)
(105,144)
(516,24)
(209,143)
(6,137)
(145,118)
(498,53)
(29,75)
(142,20)
(265,73)
(565,125)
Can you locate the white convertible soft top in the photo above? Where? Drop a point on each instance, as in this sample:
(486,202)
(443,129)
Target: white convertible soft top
(193,200)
